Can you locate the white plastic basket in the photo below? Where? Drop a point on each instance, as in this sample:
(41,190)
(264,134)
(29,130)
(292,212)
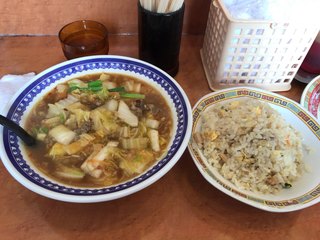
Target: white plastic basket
(260,54)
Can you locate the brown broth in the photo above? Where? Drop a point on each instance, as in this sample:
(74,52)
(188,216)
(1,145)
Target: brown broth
(47,165)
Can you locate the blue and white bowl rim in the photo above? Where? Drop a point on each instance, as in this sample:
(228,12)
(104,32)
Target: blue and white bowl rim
(22,99)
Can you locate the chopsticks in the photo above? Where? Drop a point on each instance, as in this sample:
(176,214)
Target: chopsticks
(162,6)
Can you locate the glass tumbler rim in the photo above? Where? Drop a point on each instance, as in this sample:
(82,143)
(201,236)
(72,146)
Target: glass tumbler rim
(82,26)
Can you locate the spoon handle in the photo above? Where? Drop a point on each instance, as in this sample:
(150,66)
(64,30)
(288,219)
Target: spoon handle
(26,137)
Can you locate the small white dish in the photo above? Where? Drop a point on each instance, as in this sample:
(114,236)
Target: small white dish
(306,190)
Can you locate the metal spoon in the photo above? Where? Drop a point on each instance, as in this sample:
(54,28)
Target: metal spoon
(25,137)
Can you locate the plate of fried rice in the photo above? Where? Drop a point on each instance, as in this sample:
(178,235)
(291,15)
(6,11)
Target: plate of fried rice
(258,147)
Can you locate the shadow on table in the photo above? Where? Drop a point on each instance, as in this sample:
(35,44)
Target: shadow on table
(214,207)
(134,215)
(177,205)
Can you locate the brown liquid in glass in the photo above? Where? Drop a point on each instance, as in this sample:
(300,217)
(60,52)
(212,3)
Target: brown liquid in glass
(85,43)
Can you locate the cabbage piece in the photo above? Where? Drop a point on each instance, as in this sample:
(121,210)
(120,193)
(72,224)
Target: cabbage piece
(138,163)
(62,134)
(129,86)
(52,122)
(58,108)
(137,87)
(109,85)
(105,152)
(93,165)
(63,103)
(78,145)
(154,140)
(100,133)
(104,77)
(134,143)
(69,172)
(111,105)
(125,132)
(126,115)
(142,129)
(102,94)
(78,83)
(61,92)
(152,123)
(162,141)
(112,144)
(57,150)
(81,116)
(71,122)
(40,132)
(104,120)
(62,89)
(77,105)
(41,136)
(53,110)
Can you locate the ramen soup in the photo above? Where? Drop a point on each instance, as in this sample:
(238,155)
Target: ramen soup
(99,130)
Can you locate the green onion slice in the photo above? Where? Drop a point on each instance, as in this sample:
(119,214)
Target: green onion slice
(93,84)
(117,89)
(132,95)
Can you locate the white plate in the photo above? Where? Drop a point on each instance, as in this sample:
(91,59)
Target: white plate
(306,190)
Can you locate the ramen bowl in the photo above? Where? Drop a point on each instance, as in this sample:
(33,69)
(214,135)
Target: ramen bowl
(16,160)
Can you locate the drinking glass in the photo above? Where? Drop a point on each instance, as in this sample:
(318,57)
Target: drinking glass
(84,38)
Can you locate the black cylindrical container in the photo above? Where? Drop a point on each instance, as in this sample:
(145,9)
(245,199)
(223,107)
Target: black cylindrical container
(160,38)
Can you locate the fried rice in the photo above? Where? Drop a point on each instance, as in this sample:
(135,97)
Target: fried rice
(251,145)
